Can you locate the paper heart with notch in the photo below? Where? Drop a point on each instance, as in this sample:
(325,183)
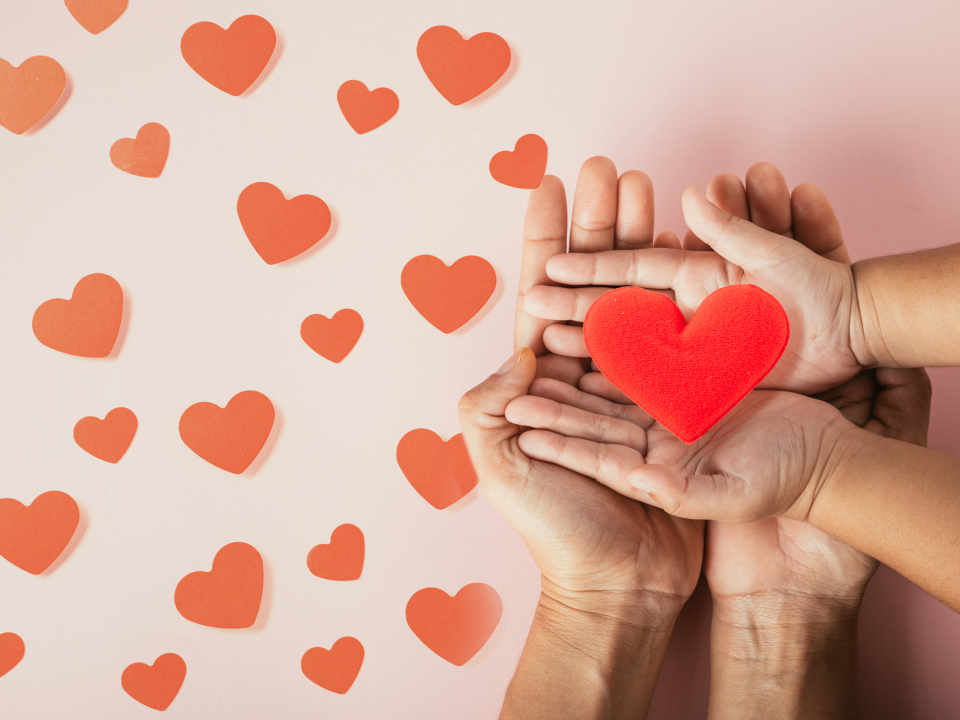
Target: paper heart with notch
(440,471)
(461,69)
(155,685)
(33,536)
(335,669)
(232,59)
(28,92)
(86,325)
(228,596)
(456,627)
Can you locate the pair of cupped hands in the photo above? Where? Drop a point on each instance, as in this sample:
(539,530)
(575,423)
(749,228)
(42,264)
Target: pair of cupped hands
(608,501)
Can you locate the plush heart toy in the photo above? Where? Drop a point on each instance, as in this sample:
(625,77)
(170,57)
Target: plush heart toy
(687,376)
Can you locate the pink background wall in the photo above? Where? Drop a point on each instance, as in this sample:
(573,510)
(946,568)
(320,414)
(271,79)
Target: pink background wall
(858,97)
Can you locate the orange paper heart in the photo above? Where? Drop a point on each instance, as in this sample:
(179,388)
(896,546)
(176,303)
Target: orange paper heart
(334,669)
(229,595)
(155,685)
(448,297)
(364,109)
(95,16)
(230,59)
(455,628)
(107,439)
(524,167)
(333,338)
(440,471)
(144,155)
(33,536)
(29,92)
(342,559)
(230,437)
(11,651)
(280,229)
(462,69)
(88,323)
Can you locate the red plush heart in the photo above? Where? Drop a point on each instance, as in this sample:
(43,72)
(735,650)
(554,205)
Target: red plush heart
(687,376)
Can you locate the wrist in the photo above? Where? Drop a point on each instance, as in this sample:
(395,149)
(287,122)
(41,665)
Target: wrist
(866,330)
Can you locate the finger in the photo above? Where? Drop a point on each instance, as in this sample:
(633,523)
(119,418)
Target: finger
(567,370)
(608,464)
(594,207)
(694,244)
(725,191)
(902,408)
(544,235)
(561,393)
(738,241)
(698,497)
(555,303)
(545,414)
(815,223)
(654,269)
(596,383)
(566,340)
(769,199)
(634,229)
(667,240)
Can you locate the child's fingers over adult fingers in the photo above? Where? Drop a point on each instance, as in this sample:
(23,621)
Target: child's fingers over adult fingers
(573,397)
(543,413)
(596,383)
(697,497)
(565,340)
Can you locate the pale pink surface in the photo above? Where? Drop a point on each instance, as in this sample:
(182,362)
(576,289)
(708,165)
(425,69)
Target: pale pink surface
(860,98)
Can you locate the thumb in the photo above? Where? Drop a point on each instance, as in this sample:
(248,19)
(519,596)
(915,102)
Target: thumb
(698,497)
(736,240)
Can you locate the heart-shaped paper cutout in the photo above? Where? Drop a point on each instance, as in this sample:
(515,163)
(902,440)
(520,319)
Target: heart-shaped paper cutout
(230,437)
(524,166)
(364,109)
(11,651)
(332,338)
(448,297)
(229,595)
(334,669)
(155,685)
(95,16)
(145,155)
(687,376)
(33,536)
(28,92)
(280,229)
(342,559)
(440,471)
(88,323)
(462,69)
(107,439)
(455,628)
(232,59)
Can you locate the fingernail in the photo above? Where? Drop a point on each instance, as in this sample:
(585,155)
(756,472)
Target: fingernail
(640,483)
(511,363)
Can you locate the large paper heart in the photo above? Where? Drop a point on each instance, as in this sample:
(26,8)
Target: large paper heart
(230,437)
(687,376)
(11,651)
(455,628)
(334,669)
(155,685)
(107,439)
(332,338)
(88,323)
(524,166)
(33,536)
(229,595)
(342,558)
(448,297)
(95,16)
(364,109)
(230,59)
(28,92)
(440,471)
(144,155)
(462,69)
(280,229)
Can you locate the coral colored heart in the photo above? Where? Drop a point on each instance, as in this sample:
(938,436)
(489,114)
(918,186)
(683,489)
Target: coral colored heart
(448,297)
(229,595)
(280,229)
(107,439)
(687,376)
(462,69)
(29,92)
(342,559)
(144,155)
(11,652)
(440,471)
(334,669)
(95,16)
(232,59)
(524,167)
(364,109)
(455,628)
(333,338)
(33,536)
(88,323)
(155,685)
(230,437)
